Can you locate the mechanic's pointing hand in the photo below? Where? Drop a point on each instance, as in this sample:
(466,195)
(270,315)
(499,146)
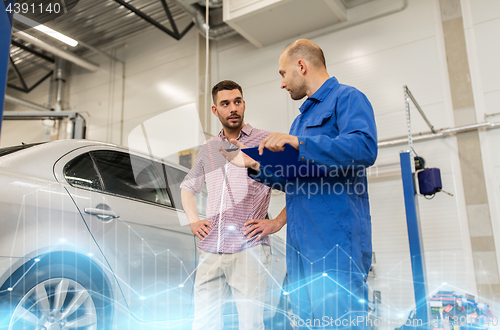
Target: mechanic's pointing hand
(276,142)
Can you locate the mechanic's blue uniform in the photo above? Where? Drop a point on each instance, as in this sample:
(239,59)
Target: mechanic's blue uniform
(329,246)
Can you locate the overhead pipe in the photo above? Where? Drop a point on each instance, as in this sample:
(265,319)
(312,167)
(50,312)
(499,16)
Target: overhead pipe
(24,103)
(73,58)
(386,171)
(60,80)
(215,33)
(440,134)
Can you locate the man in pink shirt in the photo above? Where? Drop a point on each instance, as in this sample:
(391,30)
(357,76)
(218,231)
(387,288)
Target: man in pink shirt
(229,261)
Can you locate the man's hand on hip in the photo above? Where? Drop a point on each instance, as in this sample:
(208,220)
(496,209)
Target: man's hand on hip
(262,227)
(201,228)
(276,142)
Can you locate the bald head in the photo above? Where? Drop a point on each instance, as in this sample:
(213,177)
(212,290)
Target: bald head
(302,68)
(306,50)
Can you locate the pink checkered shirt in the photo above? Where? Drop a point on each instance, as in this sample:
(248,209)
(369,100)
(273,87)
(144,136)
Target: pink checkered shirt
(233,197)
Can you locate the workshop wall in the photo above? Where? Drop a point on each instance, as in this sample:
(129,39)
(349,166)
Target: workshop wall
(481,22)
(15,132)
(160,76)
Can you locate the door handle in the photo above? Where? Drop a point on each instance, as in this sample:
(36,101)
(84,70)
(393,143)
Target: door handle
(101,214)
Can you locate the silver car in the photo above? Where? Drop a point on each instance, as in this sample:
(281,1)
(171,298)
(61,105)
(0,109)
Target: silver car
(90,238)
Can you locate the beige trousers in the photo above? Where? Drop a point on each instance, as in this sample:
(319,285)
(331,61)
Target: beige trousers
(244,274)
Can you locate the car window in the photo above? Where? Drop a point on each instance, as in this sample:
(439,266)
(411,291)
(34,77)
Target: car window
(175,178)
(131,176)
(80,172)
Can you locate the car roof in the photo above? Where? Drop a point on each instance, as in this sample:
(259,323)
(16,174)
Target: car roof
(39,160)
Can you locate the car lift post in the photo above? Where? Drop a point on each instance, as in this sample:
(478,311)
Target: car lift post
(413,224)
(415,242)
(5,35)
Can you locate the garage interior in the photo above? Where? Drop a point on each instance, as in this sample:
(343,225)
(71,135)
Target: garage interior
(148,64)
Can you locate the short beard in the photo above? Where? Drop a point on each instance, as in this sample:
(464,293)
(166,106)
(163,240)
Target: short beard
(229,126)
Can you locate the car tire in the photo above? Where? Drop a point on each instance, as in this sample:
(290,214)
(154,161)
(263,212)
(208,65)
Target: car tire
(54,296)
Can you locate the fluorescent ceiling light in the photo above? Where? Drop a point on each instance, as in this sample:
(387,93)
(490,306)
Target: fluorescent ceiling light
(46,30)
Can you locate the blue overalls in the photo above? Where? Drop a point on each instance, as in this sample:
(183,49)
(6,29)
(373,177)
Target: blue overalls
(329,246)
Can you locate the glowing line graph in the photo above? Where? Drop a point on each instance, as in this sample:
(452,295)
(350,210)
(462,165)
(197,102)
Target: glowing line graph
(138,293)
(188,275)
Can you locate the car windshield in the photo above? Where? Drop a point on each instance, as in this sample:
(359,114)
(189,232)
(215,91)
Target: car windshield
(9,150)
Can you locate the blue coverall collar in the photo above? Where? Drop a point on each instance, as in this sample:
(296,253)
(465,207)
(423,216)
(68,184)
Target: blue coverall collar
(320,94)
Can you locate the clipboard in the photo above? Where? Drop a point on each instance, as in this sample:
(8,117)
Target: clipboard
(286,164)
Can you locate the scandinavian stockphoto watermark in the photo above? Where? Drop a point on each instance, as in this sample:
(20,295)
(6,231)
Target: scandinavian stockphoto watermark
(320,187)
(327,321)
(309,169)
(337,180)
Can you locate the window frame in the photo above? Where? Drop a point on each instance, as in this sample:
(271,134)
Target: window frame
(103,191)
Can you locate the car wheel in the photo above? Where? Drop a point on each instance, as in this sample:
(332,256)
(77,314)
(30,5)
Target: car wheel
(54,297)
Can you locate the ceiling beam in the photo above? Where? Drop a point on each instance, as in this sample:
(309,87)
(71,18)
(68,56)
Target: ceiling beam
(18,74)
(170,17)
(174,34)
(32,51)
(27,89)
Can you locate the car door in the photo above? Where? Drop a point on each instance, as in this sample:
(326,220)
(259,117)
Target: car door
(130,214)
